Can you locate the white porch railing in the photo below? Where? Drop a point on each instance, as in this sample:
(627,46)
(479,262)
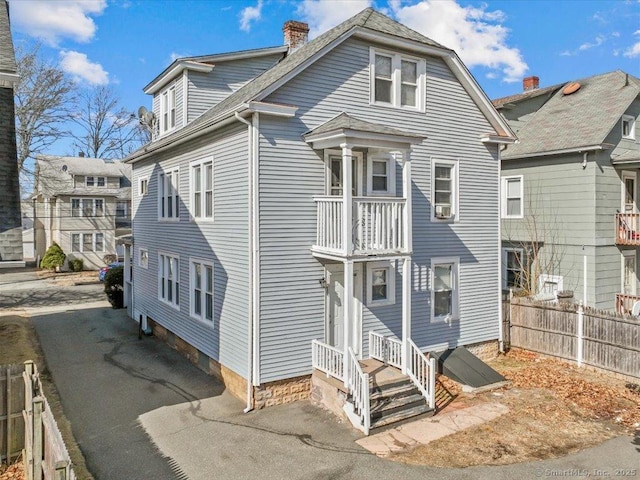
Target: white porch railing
(422,371)
(358,384)
(327,359)
(387,350)
(378,225)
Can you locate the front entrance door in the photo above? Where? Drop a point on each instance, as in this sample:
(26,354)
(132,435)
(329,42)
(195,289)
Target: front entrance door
(335,307)
(629,192)
(629,272)
(334,163)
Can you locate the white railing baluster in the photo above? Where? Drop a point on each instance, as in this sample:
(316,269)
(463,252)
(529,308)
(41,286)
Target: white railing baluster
(327,359)
(358,383)
(422,371)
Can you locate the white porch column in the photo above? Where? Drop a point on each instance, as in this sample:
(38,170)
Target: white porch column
(347,309)
(347,210)
(406,266)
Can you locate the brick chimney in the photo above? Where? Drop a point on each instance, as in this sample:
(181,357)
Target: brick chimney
(530,83)
(296,34)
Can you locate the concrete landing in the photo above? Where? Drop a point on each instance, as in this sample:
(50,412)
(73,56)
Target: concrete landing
(426,430)
(381,374)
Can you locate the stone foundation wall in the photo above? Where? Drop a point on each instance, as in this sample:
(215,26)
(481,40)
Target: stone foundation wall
(328,394)
(485,351)
(282,391)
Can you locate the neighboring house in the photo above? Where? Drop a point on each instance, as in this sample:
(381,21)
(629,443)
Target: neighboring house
(82,204)
(248,247)
(570,186)
(10,220)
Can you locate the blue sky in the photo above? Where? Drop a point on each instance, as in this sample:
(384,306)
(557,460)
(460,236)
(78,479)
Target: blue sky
(126,43)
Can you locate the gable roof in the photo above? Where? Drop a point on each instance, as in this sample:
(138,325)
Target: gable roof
(581,120)
(519,97)
(345,121)
(368,20)
(7,54)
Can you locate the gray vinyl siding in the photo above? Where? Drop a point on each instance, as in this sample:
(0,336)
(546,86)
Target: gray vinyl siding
(205,90)
(223,242)
(156,105)
(292,303)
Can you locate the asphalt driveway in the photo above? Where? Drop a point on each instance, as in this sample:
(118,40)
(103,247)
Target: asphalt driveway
(141,411)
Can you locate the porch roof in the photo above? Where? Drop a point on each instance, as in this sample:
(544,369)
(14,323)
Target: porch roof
(627,158)
(359,133)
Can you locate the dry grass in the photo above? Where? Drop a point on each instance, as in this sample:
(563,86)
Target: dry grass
(68,279)
(555,409)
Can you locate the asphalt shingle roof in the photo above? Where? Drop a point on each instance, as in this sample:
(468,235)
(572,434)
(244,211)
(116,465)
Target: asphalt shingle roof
(347,122)
(580,119)
(7,54)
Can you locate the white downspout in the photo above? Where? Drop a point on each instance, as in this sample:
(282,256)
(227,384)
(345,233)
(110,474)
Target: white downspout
(249,406)
(500,319)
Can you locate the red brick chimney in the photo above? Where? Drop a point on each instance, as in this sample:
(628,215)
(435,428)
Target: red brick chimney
(530,83)
(296,34)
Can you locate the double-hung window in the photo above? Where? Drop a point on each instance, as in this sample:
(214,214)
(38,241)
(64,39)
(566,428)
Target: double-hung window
(143,186)
(87,242)
(444,188)
(168,109)
(444,288)
(513,268)
(202,189)
(169,279)
(381,175)
(381,288)
(121,209)
(87,207)
(143,258)
(397,80)
(168,195)
(202,290)
(75,207)
(512,197)
(95,181)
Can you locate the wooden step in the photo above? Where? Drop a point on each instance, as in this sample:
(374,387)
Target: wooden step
(393,390)
(401,415)
(388,405)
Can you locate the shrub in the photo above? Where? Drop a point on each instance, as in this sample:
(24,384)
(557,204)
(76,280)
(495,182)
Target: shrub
(53,257)
(76,265)
(114,286)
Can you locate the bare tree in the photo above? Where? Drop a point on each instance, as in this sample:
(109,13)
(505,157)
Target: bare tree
(43,96)
(105,129)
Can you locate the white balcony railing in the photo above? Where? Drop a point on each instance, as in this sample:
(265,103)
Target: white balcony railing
(377,226)
(386,349)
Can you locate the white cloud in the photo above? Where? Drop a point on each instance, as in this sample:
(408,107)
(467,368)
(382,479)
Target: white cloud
(249,15)
(52,21)
(596,43)
(633,51)
(78,65)
(321,15)
(473,32)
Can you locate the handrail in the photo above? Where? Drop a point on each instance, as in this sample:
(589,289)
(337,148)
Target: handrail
(358,384)
(422,371)
(327,359)
(386,349)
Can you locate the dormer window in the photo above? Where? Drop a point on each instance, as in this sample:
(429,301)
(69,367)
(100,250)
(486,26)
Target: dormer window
(95,181)
(168,110)
(628,127)
(397,80)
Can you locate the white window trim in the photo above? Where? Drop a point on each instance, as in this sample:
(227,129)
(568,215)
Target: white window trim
(82,215)
(632,131)
(95,181)
(505,251)
(455,196)
(629,254)
(141,264)
(161,198)
(168,94)
(504,196)
(327,162)
(202,317)
(545,277)
(126,208)
(391,283)
(176,302)
(192,190)
(140,180)
(396,79)
(93,242)
(391,174)
(455,294)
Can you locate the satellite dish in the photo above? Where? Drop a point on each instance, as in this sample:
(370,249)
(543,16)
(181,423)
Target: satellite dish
(142,111)
(149,118)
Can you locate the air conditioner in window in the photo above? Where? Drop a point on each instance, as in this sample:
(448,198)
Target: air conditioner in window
(443,211)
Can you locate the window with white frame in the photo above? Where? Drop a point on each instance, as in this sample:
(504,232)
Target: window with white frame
(87,207)
(121,209)
(169,279)
(381,286)
(549,284)
(444,288)
(628,127)
(168,110)
(202,290)
(87,242)
(381,175)
(397,80)
(444,188)
(202,189)
(95,181)
(512,197)
(143,258)
(513,268)
(143,186)
(168,195)
(629,277)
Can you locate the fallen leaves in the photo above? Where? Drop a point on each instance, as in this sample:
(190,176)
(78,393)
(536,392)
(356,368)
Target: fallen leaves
(14,471)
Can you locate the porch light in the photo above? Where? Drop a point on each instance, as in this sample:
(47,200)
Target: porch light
(323,283)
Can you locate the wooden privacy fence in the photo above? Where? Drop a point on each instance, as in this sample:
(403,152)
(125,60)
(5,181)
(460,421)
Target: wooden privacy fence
(585,335)
(28,426)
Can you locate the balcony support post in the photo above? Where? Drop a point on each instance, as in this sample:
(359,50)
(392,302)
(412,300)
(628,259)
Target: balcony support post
(347,210)
(347,311)
(406,266)
(406,192)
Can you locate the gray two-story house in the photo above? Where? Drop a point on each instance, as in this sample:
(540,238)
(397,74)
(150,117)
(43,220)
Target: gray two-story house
(570,185)
(311,205)
(83,205)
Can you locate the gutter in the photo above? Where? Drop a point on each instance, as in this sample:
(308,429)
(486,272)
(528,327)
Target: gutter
(500,312)
(586,148)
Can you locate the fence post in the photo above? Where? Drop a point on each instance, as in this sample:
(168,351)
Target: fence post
(38,405)
(580,335)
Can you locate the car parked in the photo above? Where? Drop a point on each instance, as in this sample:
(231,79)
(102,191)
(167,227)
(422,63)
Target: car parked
(104,270)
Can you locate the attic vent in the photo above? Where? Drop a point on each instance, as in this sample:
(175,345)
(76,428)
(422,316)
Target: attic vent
(64,168)
(573,87)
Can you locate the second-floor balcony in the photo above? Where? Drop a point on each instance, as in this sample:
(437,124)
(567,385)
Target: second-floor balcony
(378,226)
(628,229)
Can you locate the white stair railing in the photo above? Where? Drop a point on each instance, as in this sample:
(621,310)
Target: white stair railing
(422,371)
(358,384)
(327,359)
(386,349)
